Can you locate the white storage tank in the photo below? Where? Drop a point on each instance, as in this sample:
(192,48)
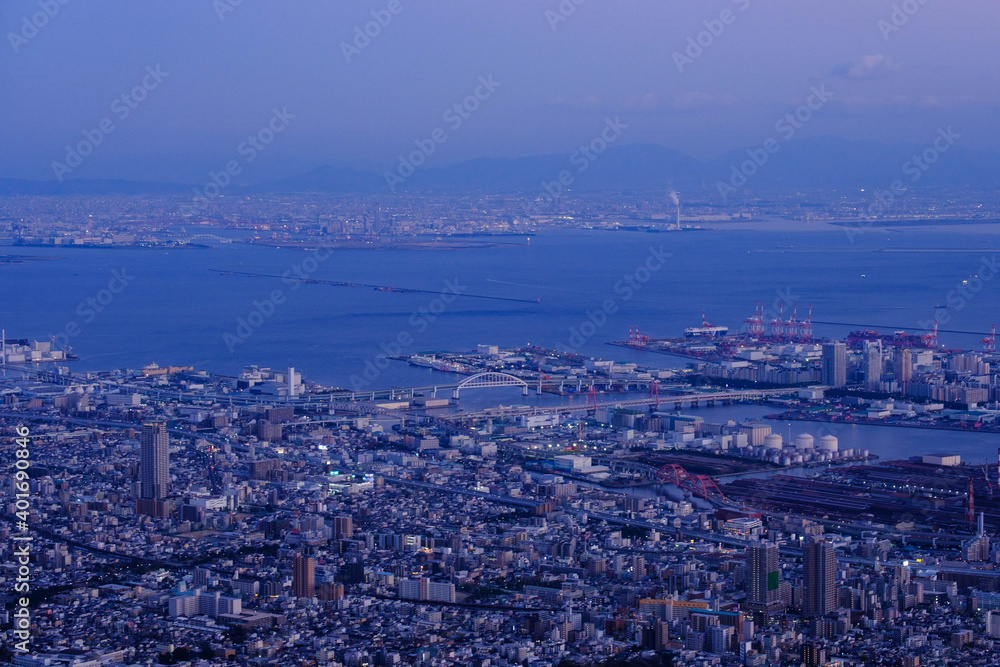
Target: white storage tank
(772,441)
(804,442)
(829,443)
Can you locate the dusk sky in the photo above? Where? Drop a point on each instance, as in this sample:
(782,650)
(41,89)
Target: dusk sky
(558,79)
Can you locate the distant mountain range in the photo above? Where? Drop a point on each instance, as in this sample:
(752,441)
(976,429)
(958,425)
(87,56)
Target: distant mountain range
(805,163)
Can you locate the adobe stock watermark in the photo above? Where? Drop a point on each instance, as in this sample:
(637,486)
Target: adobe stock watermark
(582,158)
(782,298)
(963,294)
(223,7)
(422,318)
(455,116)
(121,107)
(363,35)
(91,307)
(786,127)
(30,25)
(248,150)
(626,288)
(915,168)
(264,308)
(562,12)
(901,14)
(21,547)
(696,44)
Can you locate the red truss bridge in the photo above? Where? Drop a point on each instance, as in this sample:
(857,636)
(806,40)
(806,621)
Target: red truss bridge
(699,485)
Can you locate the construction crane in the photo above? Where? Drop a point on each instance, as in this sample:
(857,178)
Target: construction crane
(778,325)
(806,327)
(930,340)
(755,323)
(792,325)
(990,342)
(636,339)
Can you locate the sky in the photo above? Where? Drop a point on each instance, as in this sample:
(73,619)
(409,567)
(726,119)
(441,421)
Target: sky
(700,77)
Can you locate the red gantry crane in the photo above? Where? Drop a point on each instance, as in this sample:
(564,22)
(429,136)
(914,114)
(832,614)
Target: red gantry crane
(990,342)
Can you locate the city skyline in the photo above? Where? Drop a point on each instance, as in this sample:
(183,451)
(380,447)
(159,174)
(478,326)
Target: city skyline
(530,334)
(552,95)
(154,469)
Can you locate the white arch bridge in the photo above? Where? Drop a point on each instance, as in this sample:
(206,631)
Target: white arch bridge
(490,379)
(206,237)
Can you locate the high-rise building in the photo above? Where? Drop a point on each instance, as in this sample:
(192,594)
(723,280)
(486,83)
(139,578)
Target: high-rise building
(904,365)
(154,461)
(425,589)
(977,547)
(638,568)
(720,639)
(763,573)
(661,635)
(343,528)
(873,365)
(694,640)
(813,654)
(441,591)
(331,591)
(414,589)
(820,578)
(304,576)
(834,364)
(993,624)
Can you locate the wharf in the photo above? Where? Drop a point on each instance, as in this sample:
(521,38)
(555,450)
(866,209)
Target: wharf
(936,426)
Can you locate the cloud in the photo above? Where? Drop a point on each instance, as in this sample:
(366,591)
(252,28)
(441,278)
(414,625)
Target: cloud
(645,102)
(686,101)
(587,102)
(649,102)
(877,66)
(895,102)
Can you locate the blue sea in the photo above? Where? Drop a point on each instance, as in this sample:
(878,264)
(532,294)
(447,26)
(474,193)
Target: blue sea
(580,289)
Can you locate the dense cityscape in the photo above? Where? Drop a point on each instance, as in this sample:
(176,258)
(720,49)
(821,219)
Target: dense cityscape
(177,516)
(384,220)
(514,334)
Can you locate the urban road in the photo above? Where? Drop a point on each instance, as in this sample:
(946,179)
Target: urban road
(335,399)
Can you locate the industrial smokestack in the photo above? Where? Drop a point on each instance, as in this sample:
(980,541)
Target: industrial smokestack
(677,206)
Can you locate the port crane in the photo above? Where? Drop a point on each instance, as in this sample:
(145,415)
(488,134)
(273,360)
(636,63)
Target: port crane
(778,325)
(636,339)
(755,323)
(792,324)
(990,342)
(806,327)
(930,340)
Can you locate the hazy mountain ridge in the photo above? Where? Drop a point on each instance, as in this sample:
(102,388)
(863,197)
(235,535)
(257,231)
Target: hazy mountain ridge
(804,163)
